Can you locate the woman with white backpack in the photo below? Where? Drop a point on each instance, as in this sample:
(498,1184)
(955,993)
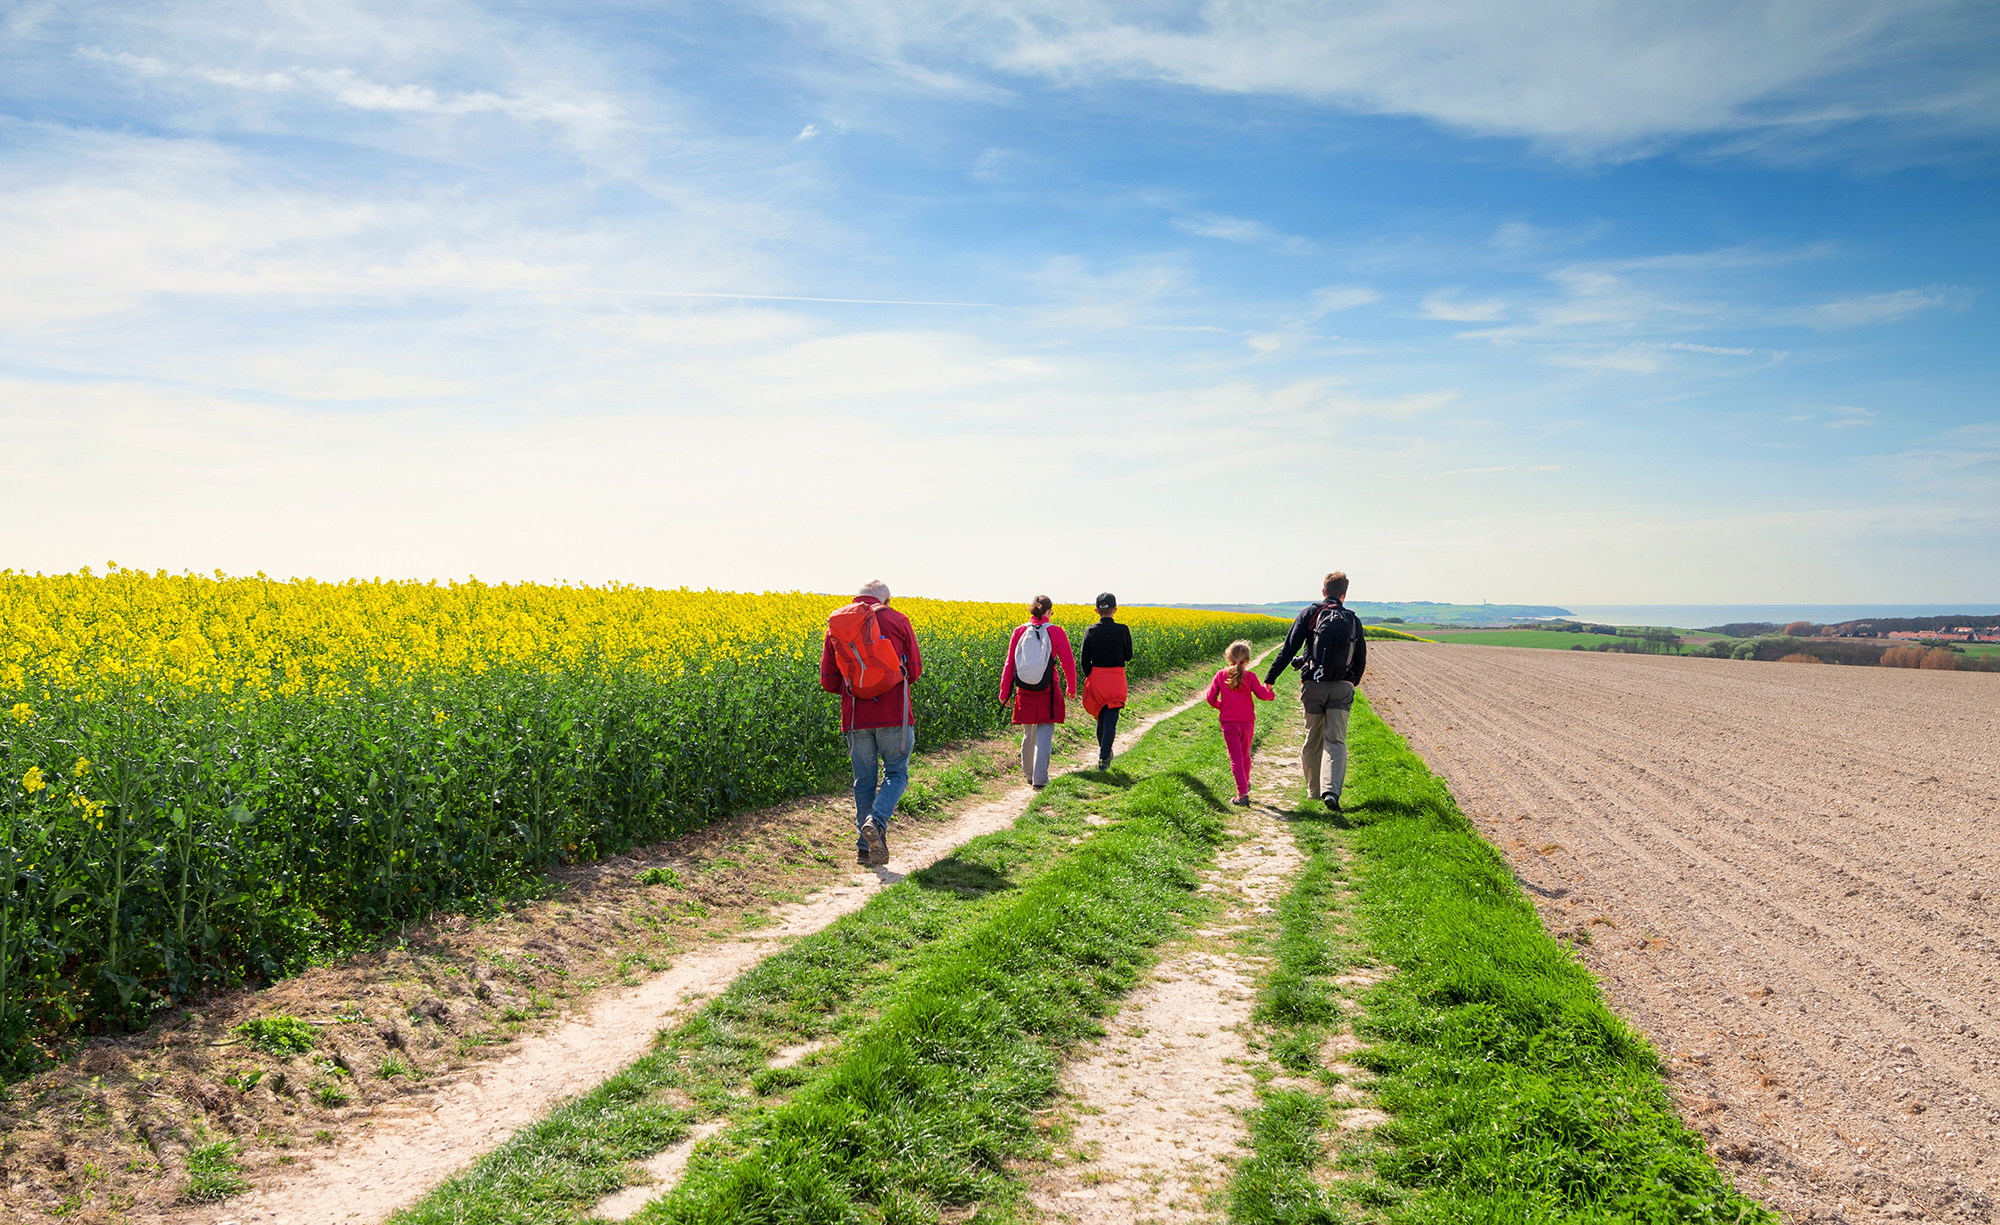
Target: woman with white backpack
(1031,679)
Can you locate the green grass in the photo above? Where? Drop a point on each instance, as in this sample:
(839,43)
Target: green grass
(928,1104)
(905,994)
(1516,1094)
(212,1173)
(1297,1004)
(279,1034)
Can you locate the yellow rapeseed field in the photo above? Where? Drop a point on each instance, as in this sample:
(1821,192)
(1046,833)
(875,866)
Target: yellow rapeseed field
(269,637)
(206,779)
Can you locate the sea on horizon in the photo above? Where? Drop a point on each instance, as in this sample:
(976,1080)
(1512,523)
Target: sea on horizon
(1696,616)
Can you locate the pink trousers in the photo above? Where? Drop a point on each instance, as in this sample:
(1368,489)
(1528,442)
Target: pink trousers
(1237,737)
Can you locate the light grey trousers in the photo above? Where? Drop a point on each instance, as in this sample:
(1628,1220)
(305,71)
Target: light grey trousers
(1036,738)
(1327,705)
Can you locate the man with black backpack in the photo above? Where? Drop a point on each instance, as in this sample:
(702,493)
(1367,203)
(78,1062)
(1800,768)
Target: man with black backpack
(1332,653)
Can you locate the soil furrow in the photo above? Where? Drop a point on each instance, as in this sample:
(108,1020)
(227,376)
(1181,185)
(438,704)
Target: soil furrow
(1785,875)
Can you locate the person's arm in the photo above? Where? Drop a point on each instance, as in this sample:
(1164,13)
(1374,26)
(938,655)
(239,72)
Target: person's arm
(1360,656)
(913,655)
(1064,657)
(1126,635)
(1214,695)
(1091,639)
(1007,671)
(1259,687)
(829,676)
(1293,641)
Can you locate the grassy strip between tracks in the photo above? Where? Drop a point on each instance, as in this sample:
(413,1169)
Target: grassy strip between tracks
(947,1002)
(1515,1094)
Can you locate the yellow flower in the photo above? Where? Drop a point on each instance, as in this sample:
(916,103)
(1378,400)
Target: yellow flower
(32,780)
(82,766)
(23,712)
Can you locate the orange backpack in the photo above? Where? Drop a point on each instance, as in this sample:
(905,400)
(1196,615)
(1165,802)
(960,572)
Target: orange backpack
(867,660)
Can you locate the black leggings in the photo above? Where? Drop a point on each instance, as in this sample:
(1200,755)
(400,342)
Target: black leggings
(1107,731)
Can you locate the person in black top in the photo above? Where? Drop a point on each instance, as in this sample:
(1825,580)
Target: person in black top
(1107,648)
(1332,653)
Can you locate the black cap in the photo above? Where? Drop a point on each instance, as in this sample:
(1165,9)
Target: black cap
(1107,600)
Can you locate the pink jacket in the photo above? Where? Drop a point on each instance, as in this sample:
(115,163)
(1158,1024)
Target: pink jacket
(1235,704)
(1064,660)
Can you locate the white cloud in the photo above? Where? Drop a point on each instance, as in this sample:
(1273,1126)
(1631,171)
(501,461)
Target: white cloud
(1715,350)
(345,87)
(1875,308)
(997,165)
(1630,359)
(1846,416)
(1582,77)
(1239,229)
(807,132)
(1119,298)
(1341,298)
(1444,304)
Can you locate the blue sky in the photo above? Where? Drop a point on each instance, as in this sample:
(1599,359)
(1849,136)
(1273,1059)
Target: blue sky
(1545,301)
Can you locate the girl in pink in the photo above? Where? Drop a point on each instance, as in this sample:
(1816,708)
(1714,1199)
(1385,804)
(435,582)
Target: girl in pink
(1230,693)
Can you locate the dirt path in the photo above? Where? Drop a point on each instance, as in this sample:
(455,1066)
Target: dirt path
(410,1149)
(1787,876)
(1156,1105)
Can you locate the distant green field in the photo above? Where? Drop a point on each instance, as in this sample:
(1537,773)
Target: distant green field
(1981,648)
(1547,639)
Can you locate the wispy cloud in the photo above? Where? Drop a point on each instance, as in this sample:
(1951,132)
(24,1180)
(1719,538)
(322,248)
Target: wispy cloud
(1341,298)
(1617,83)
(1717,350)
(1445,304)
(1876,308)
(1239,229)
(348,88)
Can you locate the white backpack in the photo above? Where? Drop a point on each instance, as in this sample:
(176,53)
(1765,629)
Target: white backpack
(1032,655)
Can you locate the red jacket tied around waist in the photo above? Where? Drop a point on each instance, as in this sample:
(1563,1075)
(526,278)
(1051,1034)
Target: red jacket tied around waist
(891,709)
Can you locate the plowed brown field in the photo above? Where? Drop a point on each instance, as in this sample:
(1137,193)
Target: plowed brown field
(1787,876)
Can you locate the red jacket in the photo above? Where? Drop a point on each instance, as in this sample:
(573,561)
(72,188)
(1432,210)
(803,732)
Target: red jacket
(892,709)
(1043,705)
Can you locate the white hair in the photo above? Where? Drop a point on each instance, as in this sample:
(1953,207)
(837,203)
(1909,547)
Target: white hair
(877,588)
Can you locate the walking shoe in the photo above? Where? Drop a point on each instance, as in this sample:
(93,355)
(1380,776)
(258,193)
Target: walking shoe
(1241,801)
(878,844)
(1104,763)
(1332,802)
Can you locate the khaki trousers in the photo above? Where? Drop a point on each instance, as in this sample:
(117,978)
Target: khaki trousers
(1327,706)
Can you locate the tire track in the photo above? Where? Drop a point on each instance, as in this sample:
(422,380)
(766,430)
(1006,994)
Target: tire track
(1786,876)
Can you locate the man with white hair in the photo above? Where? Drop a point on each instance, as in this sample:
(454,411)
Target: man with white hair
(870,658)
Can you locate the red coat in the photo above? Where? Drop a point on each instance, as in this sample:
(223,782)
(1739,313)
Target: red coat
(1044,705)
(891,709)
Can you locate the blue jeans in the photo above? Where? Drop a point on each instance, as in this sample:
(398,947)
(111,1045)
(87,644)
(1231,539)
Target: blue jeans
(883,749)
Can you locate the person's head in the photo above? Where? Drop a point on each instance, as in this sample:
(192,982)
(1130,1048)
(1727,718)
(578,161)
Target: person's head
(1107,604)
(1040,606)
(1335,586)
(1238,659)
(876,589)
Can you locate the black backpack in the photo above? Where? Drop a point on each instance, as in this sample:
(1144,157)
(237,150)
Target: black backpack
(1330,644)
